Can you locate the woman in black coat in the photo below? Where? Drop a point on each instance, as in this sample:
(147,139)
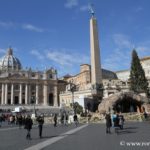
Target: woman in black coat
(108,123)
(28,126)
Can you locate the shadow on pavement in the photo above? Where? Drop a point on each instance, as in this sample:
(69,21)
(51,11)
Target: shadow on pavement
(127,130)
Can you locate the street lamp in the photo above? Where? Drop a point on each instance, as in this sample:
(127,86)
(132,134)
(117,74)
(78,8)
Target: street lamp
(72,89)
(33,100)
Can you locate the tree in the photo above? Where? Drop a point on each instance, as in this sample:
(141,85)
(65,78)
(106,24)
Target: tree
(78,108)
(138,81)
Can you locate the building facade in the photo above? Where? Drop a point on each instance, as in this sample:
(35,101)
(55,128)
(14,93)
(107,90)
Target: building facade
(113,83)
(125,74)
(20,86)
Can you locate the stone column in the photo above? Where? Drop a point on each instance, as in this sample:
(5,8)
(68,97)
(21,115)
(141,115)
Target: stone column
(45,90)
(29,94)
(6,93)
(3,94)
(26,94)
(55,96)
(20,94)
(12,93)
(37,94)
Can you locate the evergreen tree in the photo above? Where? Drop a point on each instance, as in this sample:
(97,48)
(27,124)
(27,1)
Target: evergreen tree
(138,81)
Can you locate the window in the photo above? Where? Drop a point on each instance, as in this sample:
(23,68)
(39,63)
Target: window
(41,76)
(32,87)
(33,75)
(50,76)
(16,87)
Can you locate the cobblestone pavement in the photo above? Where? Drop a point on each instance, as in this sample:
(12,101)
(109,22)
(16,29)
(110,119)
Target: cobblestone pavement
(135,136)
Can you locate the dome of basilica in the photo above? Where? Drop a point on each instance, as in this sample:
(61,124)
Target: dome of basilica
(10,62)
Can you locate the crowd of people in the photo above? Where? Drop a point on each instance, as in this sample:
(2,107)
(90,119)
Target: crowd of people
(116,121)
(12,119)
(64,119)
(40,120)
(26,122)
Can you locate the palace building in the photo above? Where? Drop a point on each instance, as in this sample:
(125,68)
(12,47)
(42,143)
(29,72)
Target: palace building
(94,85)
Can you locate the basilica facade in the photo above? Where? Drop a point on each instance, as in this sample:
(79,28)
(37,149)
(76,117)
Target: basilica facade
(19,86)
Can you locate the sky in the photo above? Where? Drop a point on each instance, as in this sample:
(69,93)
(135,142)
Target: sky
(55,33)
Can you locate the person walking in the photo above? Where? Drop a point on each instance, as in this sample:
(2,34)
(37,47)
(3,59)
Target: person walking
(75,117)
(121,121)
(20,121)
(55,120)
(66,118)
(1,119)
(28,126)
(108,123)
(40,121)
(62,119)
(116,122)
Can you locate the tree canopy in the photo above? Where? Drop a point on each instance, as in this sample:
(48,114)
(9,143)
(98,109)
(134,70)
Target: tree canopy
(138,81)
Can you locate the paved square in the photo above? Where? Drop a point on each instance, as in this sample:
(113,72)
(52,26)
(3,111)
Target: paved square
(135,136)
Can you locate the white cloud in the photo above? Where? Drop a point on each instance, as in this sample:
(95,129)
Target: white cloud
(29,27)
(71,3)
(37,54)
(66,59)
(6,24)
(32,28)
(120,56)
(118,59)
(138,9)
(63,60)
(84,8)
(143,51)
(2,51)
(122,41)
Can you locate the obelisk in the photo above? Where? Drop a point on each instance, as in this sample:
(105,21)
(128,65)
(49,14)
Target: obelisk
(96,71)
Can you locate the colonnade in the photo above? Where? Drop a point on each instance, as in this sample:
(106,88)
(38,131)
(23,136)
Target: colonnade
(8,95)
(24,94)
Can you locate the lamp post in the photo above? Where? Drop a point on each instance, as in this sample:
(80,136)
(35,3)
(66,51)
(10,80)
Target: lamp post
(33,100)
(72,90)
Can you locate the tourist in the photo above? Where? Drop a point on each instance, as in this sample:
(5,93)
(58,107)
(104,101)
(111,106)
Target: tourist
(11,120)
(115,119)
(28,126)
(20,121)
(108,122)
(40,121)
(75,117)
(121,121)
(1,119)
(55,120)
(62,119)
(66,119)
(145,115)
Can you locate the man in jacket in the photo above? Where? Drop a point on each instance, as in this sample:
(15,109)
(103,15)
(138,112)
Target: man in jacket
(40,121)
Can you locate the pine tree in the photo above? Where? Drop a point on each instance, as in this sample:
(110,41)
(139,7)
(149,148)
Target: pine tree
(138,81)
